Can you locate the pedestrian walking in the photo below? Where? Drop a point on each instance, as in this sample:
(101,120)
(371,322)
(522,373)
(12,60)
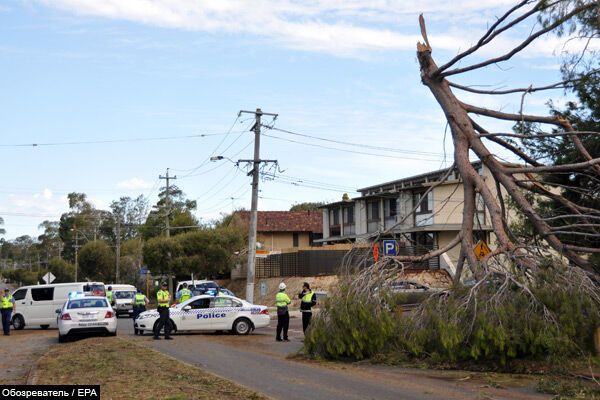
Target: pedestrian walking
(308,301)
(8,307)
(283,316)
(184,294)
(140,301)
(163,298)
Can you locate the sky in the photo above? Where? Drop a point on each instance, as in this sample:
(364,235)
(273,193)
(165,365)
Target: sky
(114,92)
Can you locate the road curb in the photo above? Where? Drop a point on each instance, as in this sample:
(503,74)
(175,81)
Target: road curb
(32,375)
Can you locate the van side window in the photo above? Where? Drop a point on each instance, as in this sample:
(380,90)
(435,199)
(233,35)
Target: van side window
(19,294)
(42,294)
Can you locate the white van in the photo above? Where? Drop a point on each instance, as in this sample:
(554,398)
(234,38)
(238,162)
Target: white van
(37,305)
(123,297)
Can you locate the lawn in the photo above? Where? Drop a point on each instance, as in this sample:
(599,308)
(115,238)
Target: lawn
(125,370)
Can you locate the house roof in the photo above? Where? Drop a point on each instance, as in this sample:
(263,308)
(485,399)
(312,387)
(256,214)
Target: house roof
(286,221)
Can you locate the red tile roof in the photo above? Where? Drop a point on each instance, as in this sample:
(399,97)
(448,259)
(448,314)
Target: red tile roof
(286,221)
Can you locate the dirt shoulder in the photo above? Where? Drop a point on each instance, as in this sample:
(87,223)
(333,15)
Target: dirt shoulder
(125,370)
(20,351)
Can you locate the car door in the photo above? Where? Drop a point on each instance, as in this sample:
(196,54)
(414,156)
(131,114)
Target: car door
(22,303)
(43,311)
(226,311)
(197,317)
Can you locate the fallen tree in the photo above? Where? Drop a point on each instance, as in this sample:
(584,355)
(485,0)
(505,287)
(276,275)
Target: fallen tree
(531,297)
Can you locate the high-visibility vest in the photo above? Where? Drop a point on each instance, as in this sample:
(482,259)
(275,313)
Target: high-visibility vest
(282,299)
(109,296)
(140,300)
(7,302)
(307,298)
(186,294)
(162,296)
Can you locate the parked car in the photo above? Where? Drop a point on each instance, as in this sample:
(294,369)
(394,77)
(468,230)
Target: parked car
(209,313)
(123,297)
(36,305)
(198,287)
(85,315)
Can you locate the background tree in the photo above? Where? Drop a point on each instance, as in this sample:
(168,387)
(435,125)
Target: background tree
(131,261)
(179,209)
(307,206)
(49,241)
(131,213)
(63,271)
(2,230)
(97,261)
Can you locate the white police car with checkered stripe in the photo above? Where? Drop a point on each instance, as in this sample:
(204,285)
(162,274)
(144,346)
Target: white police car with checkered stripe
(210,313)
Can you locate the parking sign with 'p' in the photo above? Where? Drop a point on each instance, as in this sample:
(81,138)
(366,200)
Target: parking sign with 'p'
(390,247)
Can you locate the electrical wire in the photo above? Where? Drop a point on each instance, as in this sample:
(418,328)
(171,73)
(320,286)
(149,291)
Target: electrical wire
(351,151)
(361,145)
(151,139)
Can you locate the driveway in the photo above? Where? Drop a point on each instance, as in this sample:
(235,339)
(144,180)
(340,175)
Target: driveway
(261,364)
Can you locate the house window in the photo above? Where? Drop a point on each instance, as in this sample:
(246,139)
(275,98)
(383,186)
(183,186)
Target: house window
(425,203)
(348,215)
(334,217)
(373,210)
(389,207)
(295,239)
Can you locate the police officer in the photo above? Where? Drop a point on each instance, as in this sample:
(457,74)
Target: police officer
(109,295)
(140,301)
(184,294)
(283,316)
(7,304)
(163,298)
(308,301)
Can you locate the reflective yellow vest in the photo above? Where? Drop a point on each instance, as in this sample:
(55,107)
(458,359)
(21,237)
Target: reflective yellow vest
(140,300)
(163,298)
(109,296)
(282,299)
(307,298)
(186,294)
(7,302)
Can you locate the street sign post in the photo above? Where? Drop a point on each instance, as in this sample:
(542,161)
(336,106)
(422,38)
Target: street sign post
(49,277)
(481,250)
(390,247)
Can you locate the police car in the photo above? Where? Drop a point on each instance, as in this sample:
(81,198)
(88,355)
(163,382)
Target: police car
(85,314)
(210,313)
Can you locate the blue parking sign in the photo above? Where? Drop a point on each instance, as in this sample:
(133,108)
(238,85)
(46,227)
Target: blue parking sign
(390,247)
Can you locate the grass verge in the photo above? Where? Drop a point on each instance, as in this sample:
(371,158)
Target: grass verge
(125,370)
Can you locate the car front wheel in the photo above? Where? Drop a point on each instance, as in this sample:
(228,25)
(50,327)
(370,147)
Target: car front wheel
(18,322)
(242,327)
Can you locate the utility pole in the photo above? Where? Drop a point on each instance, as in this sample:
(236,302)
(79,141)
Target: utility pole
(118,255)
(254,206)
(167,200)
(167,225)
(76,250)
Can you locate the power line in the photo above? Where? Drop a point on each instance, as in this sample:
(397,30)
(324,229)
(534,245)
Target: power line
(351,151)
(113,140)
(361,145)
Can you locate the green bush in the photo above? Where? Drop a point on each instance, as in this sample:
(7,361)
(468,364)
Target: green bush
(350,326)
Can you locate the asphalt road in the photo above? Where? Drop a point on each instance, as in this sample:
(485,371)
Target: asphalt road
(261,364)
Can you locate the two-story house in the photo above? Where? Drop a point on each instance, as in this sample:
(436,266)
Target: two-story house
(384,210)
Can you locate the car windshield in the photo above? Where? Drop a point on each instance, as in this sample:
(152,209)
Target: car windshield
(124,294)
(86,303)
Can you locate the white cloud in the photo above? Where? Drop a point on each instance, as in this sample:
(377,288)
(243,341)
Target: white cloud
(134,184)
(342,27)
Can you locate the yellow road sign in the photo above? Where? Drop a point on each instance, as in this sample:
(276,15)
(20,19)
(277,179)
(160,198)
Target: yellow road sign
(481,250)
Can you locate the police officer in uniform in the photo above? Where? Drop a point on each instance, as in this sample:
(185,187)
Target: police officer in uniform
(109,295)
(184,294)
(164,299)
(283,316)
(140,301)
(308,301)
(7,304)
